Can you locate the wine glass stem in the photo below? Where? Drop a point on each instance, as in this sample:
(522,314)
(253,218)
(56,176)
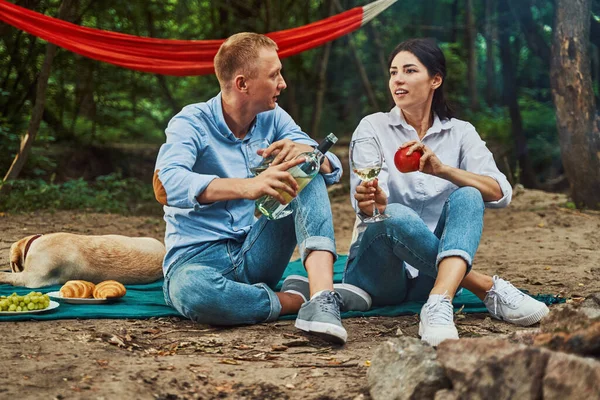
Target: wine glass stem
(375,210)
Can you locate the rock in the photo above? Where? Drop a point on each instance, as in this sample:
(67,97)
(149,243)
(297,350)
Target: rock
(585,342)
(404,368)
(591,306)
(571,377)
(569,328)
(564,318)
(491,368)
(526,337)
(445,394)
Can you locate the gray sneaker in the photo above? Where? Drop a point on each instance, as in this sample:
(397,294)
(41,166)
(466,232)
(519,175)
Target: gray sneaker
(321,316)
(353,297)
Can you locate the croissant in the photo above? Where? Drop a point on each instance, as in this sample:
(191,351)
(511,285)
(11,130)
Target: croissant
(77,289)
(109,289)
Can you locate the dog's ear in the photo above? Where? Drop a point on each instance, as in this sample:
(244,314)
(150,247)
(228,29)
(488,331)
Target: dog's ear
(17,251)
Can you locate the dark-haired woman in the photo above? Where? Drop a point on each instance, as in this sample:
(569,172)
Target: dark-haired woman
(425,250)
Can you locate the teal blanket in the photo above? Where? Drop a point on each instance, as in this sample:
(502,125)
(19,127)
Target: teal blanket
(146,301)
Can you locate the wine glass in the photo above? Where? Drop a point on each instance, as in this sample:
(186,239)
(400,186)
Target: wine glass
(366,160)
(257,163)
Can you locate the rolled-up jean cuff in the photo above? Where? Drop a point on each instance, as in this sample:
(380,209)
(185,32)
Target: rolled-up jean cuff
(454,253)
(274,300)
(317,243)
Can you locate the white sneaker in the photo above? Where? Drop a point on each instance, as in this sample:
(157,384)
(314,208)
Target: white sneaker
(506,302)
(437,320)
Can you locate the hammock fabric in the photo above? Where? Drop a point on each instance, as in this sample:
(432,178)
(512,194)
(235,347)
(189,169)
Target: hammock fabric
(175,57)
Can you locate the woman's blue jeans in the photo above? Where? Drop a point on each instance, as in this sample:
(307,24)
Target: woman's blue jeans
(378,267)
(231,283)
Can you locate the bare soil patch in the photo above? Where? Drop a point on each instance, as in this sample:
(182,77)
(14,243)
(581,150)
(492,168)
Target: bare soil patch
(535,243)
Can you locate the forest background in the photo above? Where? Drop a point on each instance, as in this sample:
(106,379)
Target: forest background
(102,125)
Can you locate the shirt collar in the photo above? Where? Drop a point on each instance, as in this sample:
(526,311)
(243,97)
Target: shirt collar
(217,110)
(396,118)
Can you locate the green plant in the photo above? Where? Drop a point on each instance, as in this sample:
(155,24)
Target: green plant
(110,193)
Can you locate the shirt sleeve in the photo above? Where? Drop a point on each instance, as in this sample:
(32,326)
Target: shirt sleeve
(175,182)
(364,130)
(286,128)
(477,158)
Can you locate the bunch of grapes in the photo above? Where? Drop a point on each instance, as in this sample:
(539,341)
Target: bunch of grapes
(29,302)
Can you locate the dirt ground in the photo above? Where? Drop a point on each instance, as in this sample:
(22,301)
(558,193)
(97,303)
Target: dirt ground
(536,243)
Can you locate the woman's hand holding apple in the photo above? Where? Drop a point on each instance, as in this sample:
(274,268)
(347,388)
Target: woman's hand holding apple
(415,156)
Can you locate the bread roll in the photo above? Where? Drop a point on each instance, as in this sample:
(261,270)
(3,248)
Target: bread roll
(109,290)
(77,289)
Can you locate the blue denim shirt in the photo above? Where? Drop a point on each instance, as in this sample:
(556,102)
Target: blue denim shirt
(200,147)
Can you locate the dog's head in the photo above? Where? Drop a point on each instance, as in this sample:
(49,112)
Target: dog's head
(17,253)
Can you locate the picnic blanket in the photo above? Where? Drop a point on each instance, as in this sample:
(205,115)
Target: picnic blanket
(147,301)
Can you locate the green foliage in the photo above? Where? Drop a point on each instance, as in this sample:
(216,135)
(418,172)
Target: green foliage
(539,125)
(109,193)
(91,103)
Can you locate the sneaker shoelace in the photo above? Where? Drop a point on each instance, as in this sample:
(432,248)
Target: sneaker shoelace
(330,302)
(440,311)
(505,292)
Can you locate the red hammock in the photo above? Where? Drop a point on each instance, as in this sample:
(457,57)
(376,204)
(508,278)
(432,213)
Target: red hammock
(175,57)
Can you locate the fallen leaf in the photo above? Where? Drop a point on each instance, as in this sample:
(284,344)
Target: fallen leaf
(229,361)
(102,363)
(117,341)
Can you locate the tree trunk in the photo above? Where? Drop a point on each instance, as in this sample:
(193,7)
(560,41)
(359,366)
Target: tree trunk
(38,108)
(531,30)
(490,67)
(362,72)
(454,21)
(509,76)
(321,81)
(576,117)
(470,36)
(382,59)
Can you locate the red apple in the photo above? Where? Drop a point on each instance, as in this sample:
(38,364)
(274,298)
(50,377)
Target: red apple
(406,163)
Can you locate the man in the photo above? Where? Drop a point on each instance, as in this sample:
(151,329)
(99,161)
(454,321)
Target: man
(222,264)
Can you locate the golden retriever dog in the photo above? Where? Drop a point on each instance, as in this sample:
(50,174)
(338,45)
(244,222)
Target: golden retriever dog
(55,258)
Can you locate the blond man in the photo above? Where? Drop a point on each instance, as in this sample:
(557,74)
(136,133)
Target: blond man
(222,264)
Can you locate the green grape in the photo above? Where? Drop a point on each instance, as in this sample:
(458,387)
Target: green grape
(12,307)
(27,299)
(35,299)
(31,306)
(19,308)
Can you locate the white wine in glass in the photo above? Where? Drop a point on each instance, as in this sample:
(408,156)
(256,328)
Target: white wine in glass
(366,160)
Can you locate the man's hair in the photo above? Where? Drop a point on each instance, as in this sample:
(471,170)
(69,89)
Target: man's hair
(238,54)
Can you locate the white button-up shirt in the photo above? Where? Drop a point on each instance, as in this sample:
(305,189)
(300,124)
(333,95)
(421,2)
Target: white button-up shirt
(456,143)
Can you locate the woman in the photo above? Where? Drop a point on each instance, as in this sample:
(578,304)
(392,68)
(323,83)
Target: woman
(425,249)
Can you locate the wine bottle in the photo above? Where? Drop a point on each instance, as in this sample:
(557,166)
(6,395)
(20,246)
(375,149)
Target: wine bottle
(302,173)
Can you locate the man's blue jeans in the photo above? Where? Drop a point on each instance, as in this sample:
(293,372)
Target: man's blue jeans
(378,267)
(231,283)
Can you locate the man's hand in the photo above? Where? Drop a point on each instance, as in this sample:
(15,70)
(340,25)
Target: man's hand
(430,163)
(285,150)
(369,194)
(272,179)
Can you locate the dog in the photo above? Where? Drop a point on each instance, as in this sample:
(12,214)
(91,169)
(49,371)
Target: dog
(55,258)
